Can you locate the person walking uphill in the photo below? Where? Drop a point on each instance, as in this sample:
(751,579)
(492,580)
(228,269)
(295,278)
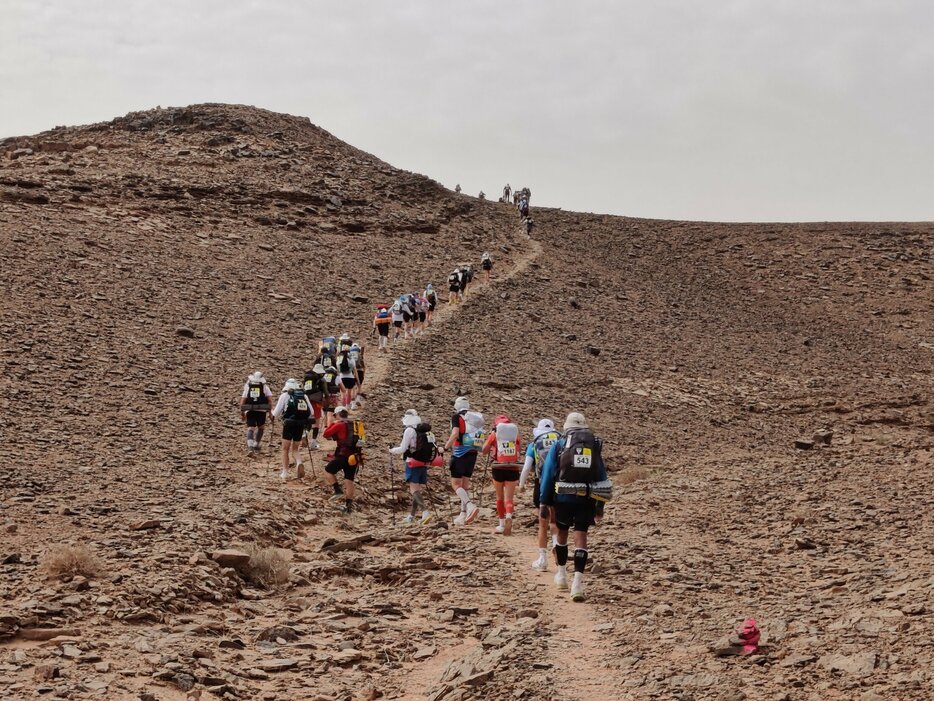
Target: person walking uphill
(347,456)
(420,452)
(503,446)
(255,404)
(574,463)
(543,437)
(465,439)
(295,409)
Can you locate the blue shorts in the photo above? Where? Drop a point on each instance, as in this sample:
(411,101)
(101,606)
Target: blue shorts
(416,475)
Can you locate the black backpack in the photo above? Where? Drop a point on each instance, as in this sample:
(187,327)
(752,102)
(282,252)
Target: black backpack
(298,408)
(425,449)
(581,458)
(343,362)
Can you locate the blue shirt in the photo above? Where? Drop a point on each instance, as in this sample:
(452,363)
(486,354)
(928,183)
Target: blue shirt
(547,494)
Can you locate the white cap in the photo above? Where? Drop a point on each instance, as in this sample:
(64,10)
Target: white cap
(461,404)
(291,384)
(345,337)
(411,418)
(257,377)
(575,420)
(318,368)
(544,426)
(340,409)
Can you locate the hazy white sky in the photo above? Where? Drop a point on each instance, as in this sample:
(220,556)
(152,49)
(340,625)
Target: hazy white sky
(695,109)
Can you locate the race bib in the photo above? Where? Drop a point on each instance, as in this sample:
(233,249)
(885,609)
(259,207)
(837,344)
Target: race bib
(547,443)
(583,458)
(255,392)
(506,449)
(302,405)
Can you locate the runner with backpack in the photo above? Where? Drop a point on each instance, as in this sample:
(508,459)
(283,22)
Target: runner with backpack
(420,452)
(347,369)
(317,391)
(543,437)
(357,355)
(454,286)
(486,264)
(348,455)
(381,323)
(255,404)
(504,448)
(398,319)
(432,297)
(295,410)
(573,479)
(468,279)
(465,440)
(328,360)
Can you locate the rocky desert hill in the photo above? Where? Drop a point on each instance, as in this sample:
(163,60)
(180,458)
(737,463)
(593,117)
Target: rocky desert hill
(764,390)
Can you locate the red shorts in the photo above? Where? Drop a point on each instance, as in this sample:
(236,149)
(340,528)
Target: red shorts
(316,410)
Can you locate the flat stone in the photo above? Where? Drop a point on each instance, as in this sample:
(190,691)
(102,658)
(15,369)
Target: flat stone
(861,664)
(230,557)
(276,665)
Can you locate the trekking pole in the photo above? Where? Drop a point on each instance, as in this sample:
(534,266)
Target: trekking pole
(392,483)
(484,478)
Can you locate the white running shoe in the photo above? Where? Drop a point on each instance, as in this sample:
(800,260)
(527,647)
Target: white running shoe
(251,444)
(500,529)
(561,578)
(284,474)
(508,528)
(577,588)
(426,518)
(460,519)
(408,520)
(541,564)
(313,444)
(472,512)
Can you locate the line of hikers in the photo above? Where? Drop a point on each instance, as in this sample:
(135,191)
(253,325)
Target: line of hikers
(406,317)
(570,484)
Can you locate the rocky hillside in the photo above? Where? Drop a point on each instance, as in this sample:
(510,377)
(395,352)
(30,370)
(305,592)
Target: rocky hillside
(764,391)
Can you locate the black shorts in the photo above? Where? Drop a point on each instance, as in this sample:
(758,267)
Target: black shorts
(463,466)
(406,317)
(421,316)
(431,306)
(504,474)
(579,514)
(255,418)
(340,463)
(383,329)
(349,382)
(360,374)
(487,266)
(537,494)
(292,430)
(454,288)
(397,324)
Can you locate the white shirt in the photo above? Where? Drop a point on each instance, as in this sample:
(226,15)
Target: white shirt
(281,404)
(409,439)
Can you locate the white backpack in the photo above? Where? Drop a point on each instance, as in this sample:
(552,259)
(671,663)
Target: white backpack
(474,435)
(507,443)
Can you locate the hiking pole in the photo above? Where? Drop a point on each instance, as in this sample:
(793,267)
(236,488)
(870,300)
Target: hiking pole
(484,479)
(431,498)
(392,483)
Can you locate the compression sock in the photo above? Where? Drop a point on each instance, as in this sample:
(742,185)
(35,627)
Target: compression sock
(314,433)
(418,502)
(510,508)
(259,435)
(249,437)
(501,509)
(561,554)
(580,560)
(464,497)
(337,488)
(542,553)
